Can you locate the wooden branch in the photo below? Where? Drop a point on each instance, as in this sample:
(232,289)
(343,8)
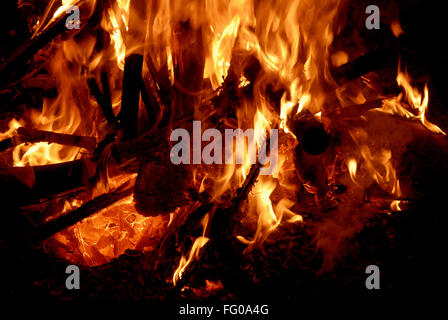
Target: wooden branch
(159,83)
(34,135)
(131,95)
(188,64)
(106,90)
(151,100)
(371,61)
(103,99)
(177,234)
(23,185)
(86,210)
(145,145)
(142,147)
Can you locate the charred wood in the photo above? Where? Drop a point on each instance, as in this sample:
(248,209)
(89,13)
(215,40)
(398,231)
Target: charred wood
(81,213)
(353,111)
(189,62)
(24,185)
(152,102)
(371,61)
(34,135)
(103,98)
(25,135)
(131,95)
(161,186)
(159,82)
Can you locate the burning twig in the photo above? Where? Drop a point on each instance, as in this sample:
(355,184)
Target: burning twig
(151,99)
(26,184)
(25,135)
(366,63)
(131,95)
(160,84)
(34,135)
(103,99)
(86,210)
(176,235)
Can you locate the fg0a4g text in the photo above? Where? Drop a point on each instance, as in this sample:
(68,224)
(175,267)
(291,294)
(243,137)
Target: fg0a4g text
(226,309)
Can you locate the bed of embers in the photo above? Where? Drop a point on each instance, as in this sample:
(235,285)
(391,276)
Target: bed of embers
(87,110)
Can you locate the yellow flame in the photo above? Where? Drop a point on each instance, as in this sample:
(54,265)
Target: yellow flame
(413,99)
(184,262)
(395,205)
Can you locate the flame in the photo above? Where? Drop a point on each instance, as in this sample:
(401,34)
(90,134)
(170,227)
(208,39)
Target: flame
(194,252)
(116,24)
(395,205)
(412,105)
(108,233)
(117,40)
(352,168)
(65,113)
(222,44)
(62,114)
(290,44)
(372,165)
(396,28)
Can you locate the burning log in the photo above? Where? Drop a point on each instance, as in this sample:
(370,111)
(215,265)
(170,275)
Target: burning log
(177,235)
(158,177)
(34,135)
(25,135)
(371,61)
(159,83)
(313,142)
(151,101)
(104,100)
(145,146)
(189,62)
(86,210)
(22,185)
(160,187)
(141,147)
(130,98)
(131,95)
(353,111)
(310,133)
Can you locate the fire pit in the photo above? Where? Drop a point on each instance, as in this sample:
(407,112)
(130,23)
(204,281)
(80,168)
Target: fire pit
(225,150)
